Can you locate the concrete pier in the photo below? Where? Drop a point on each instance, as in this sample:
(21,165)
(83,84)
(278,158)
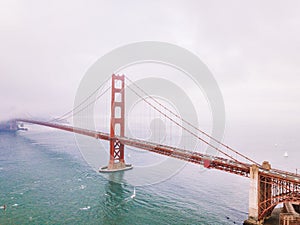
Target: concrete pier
(255,196)
(117,167)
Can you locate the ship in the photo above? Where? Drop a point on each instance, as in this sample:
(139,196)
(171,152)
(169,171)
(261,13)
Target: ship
(11,126)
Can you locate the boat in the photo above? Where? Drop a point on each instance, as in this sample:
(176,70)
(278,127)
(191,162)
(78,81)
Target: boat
(286,154)
(11,126)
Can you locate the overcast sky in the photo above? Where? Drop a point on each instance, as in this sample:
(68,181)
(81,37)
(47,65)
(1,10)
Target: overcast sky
(251,47)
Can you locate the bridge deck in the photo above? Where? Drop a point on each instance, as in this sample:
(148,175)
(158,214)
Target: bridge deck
(213,162)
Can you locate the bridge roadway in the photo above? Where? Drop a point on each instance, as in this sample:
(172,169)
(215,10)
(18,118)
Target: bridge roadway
(208,161)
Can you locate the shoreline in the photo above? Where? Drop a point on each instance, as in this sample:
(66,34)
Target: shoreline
(274,219)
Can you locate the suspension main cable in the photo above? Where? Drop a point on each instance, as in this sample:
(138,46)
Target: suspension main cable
(72,110)
(188,123)
(75,113)
(206,142)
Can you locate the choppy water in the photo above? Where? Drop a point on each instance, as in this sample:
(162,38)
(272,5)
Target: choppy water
(44,180)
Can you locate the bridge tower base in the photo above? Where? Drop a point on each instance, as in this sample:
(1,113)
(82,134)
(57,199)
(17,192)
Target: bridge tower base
(117,126)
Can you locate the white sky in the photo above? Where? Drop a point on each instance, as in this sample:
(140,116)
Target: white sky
(251,47)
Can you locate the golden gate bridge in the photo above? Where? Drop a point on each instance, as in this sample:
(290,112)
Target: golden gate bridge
(268,186)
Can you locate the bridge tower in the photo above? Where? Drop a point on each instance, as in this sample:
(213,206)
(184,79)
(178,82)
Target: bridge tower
(117,126)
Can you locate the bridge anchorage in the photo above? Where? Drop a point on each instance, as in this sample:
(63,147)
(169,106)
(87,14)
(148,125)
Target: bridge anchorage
(268,187)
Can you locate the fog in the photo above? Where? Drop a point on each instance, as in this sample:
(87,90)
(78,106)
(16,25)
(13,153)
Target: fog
(252,49)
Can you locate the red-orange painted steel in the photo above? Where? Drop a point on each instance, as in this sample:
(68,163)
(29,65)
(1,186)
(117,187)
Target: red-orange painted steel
(285,186)
(275,186)
(117,120)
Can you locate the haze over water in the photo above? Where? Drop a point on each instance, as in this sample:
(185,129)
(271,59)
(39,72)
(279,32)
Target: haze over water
(252,49)
(45,180)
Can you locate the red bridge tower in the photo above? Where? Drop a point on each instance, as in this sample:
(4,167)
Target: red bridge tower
(117,126)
